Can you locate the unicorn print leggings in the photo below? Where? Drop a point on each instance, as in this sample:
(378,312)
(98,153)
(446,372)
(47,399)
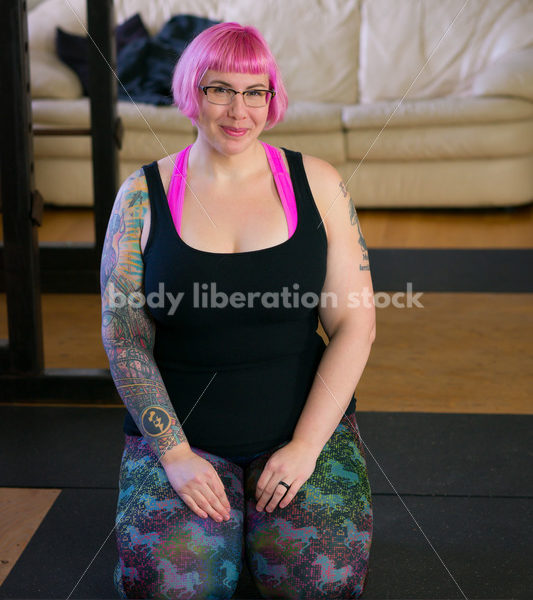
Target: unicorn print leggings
(318,546)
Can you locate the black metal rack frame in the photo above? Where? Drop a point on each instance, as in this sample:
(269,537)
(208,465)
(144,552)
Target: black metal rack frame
(25,266)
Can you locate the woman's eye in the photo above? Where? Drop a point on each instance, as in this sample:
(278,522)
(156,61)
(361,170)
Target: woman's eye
(255,93)
(220,90)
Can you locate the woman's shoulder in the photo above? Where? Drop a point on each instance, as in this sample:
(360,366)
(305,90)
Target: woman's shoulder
(165,165)
(132,202)
(319,168)
(324,180)
(315,167)
(134,183)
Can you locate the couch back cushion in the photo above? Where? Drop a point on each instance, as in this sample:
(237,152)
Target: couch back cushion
(398,44)
(49,77)
(314,41)
(155,13)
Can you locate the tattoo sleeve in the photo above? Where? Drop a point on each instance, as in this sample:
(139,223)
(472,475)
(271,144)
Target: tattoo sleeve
(354,220)
(128,331)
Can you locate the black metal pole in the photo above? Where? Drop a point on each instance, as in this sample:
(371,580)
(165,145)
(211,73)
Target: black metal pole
(20,206)
(104,122)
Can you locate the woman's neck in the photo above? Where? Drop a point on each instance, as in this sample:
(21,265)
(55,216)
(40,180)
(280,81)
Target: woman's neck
(219,168)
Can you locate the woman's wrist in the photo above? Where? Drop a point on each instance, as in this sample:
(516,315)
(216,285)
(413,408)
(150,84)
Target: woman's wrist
(175,453)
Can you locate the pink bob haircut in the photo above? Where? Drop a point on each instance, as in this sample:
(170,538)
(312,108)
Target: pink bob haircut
(230,48)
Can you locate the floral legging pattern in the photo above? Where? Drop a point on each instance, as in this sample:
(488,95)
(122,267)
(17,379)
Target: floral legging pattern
(318,546)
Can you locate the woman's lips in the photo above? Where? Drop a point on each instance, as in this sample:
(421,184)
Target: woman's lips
(234,132)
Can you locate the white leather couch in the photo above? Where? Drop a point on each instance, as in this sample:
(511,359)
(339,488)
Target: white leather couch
(417,103)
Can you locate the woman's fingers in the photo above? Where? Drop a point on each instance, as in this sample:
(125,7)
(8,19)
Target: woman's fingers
(215,503)
(219,490)
(291,492)
(193,506)
(292,464)
(270,497)
(203,502)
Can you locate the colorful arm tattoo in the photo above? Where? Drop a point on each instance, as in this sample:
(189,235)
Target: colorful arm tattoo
(354,220)
(128,332)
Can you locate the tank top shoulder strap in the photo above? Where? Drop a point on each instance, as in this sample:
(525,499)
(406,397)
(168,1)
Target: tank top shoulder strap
(307,207)
(159,217)
(156,192)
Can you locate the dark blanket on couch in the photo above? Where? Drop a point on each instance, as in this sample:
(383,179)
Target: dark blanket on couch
(144,64)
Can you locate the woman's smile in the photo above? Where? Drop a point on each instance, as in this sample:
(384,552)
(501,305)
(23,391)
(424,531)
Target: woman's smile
(234,132)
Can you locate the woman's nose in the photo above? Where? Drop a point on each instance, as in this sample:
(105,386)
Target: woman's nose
(237,108)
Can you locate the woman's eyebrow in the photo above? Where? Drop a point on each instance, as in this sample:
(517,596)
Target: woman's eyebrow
(261,85)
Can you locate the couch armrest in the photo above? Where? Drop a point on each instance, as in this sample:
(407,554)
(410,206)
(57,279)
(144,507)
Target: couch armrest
(510,75)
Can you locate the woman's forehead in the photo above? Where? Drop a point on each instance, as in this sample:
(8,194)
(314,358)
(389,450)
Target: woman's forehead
(230,78)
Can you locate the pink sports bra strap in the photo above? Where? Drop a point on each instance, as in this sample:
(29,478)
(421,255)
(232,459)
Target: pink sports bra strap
(284,184)
(176,188)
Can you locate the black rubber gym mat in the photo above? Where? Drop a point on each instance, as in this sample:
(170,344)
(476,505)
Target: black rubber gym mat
(485,545)
(452,269)
(420,453)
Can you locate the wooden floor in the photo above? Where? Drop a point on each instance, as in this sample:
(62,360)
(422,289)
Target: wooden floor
(481,228)
(459,353)
(466,352)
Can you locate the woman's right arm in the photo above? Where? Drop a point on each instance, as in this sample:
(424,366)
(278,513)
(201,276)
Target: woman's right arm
(128,332)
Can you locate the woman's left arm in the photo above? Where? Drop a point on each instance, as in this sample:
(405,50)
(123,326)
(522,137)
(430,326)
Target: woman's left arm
(349,321)
(350,324)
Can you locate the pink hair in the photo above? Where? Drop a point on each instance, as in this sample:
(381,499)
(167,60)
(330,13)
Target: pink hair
(231,48)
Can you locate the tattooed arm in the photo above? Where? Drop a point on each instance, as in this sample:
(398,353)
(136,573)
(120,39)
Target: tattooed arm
(128,331)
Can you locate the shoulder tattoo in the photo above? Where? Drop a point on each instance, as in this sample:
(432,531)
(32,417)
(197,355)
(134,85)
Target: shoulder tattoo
(354,220)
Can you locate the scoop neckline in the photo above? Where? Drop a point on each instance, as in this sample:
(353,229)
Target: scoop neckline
(245,252)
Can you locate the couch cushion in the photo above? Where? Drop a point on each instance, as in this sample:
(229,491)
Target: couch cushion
(156,13)
(441,128)
(310,117)
(46,16)
(445,183)
(315,43)
(301,117)
(75,113)
(510,75)
(437,111)
(50,78)
(398,44)
(49,14)
(476,141)
(439,183)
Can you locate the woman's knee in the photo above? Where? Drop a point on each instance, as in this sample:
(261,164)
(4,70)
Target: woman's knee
(308,578)
(166,579)
(165,549)
(318,545)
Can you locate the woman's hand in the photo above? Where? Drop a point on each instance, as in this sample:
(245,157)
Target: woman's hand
(293,463)
(197,483)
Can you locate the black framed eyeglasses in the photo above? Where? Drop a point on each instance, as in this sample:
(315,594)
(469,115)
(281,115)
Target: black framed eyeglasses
(222,95)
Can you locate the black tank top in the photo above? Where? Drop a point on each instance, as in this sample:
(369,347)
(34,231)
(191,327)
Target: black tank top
(238,376)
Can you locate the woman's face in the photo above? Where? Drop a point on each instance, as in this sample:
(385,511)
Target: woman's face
(218,123)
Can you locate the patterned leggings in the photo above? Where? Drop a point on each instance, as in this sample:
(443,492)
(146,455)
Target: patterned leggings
(316,547)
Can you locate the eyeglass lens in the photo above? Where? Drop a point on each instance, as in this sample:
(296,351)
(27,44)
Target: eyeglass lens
(220,95)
